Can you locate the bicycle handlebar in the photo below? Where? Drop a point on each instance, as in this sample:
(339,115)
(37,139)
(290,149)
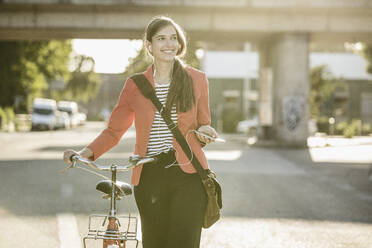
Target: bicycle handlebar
(134,160)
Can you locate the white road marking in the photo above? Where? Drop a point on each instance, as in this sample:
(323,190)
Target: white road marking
(68,231)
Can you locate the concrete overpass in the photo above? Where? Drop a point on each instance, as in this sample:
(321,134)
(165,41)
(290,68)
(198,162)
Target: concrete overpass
(348,20)
(282,29)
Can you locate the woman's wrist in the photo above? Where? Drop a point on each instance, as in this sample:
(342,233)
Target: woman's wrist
(86,153)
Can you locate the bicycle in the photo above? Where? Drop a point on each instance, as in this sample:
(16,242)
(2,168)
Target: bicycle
(114,235)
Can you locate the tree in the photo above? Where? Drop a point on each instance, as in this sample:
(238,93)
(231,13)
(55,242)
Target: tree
(323,85)
(27,68)
(190,56)
(138,63)
(83,84)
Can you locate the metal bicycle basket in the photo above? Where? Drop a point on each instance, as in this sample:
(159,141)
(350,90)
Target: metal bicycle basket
(124,237)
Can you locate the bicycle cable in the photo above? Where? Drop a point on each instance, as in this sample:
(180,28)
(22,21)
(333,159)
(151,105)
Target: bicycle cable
(105,177)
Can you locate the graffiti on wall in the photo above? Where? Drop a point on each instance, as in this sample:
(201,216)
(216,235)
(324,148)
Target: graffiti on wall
(293,111)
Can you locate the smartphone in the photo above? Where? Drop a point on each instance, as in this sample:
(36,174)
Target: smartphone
(217,139)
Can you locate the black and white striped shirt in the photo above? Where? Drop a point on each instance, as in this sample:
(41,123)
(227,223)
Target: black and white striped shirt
(160,136)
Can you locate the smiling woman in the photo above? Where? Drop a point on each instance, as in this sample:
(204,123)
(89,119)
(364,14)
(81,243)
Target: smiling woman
(110,56)
(169,192)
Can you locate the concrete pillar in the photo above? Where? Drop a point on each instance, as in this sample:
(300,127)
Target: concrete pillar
(288,57)
(265,105)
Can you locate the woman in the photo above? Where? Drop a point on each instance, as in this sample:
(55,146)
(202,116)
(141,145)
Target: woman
(168,192)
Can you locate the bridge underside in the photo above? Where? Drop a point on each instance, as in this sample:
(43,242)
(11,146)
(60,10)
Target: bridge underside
(243,23)
(215,36)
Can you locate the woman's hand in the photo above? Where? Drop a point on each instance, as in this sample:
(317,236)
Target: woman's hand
(67,155)
(208,130)
(86,153)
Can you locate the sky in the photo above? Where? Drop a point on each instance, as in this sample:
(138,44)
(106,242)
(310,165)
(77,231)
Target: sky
(110,56)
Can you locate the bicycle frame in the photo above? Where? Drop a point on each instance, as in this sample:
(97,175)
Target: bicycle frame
(112,236)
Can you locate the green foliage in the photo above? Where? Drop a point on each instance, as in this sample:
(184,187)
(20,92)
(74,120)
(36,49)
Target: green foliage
(3,119)
(26,68)
(349,132)
(366,129)
(138,63)
(7,118)
(22,122)
(322,124)
(367,53)
(190,56)
(9,114)
(323,85)
(341,127)
(355,127)
(83,84)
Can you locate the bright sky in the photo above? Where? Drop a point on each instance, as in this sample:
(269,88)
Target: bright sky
(111,56)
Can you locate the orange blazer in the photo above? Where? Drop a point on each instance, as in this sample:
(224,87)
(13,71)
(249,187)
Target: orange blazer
(132,105)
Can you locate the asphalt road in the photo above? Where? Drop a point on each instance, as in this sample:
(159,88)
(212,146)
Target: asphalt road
(273,197)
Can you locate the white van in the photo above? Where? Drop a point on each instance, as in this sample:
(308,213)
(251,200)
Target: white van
(71,108)
(44,114)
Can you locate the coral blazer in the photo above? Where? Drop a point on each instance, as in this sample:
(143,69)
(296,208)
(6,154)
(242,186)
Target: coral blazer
(132,105)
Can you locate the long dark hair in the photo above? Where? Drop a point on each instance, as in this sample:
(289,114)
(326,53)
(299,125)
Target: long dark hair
(181,91)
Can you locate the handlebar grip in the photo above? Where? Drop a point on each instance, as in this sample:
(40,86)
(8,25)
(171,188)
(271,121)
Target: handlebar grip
(73,157)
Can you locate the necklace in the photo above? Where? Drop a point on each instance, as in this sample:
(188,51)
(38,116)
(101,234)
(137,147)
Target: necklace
(163,81)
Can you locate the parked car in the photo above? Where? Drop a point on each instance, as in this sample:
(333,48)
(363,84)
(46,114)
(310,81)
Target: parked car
(63,120)
(71,108)
(82,117)
(44,114)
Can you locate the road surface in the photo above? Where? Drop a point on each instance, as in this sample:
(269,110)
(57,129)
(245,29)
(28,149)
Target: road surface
(273,197)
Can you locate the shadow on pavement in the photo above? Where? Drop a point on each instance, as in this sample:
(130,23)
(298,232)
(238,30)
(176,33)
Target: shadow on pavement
(263,183)
(38,187)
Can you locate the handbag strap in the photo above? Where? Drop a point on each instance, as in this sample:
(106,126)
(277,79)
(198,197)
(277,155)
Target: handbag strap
(148,91)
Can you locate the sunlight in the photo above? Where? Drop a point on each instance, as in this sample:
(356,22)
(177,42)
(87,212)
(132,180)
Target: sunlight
(241,232)
(110,56)
(342,154)
(340,150)
(223,155)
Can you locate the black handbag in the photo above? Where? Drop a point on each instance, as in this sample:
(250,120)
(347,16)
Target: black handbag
(208,178)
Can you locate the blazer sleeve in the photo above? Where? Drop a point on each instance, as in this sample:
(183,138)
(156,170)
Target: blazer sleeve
(120,121)
(203,112)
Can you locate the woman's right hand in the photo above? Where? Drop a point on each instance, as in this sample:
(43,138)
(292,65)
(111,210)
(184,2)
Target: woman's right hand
(67,155)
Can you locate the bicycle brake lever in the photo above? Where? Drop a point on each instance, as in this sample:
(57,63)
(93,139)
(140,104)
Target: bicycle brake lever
(69,167)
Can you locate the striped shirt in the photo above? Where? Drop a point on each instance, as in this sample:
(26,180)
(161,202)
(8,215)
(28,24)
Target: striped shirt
(160,136)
